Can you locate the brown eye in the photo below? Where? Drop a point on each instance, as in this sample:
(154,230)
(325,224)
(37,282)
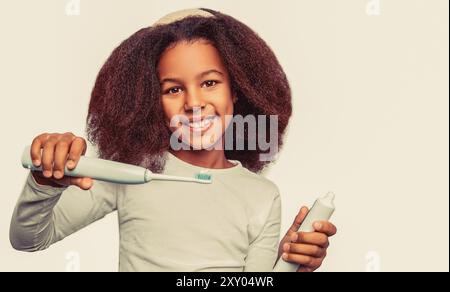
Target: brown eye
(209,83)
(173,90)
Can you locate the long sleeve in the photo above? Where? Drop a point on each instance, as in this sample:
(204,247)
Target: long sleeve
(44,214)
(263,251)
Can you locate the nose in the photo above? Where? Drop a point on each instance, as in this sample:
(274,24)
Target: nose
(194,101)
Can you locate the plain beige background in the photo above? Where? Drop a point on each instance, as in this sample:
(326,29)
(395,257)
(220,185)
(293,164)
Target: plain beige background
(370,88)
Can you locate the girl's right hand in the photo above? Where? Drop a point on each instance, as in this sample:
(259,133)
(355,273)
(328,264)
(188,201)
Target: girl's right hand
(58,150)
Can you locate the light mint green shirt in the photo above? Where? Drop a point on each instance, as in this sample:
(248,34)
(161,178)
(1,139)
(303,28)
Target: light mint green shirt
(232,224)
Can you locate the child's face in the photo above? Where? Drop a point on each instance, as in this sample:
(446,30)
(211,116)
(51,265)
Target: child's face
(195,84)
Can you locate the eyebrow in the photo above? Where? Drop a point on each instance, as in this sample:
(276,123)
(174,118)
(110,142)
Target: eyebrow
(176,80)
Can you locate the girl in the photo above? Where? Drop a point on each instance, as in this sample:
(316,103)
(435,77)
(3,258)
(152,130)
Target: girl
(204,66)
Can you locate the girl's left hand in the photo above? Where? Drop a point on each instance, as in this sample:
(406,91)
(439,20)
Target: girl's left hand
(307,249)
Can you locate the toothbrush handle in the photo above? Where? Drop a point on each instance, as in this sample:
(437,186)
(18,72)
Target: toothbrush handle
(96,168)
(318,212)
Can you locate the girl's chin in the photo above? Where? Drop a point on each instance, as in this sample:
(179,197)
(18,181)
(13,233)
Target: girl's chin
(203,142)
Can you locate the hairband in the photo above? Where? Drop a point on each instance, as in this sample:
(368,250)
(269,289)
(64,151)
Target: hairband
(180,14)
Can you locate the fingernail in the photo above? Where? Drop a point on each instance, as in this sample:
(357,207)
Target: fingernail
(294,237)
(47,173)
(284,256)
(317,225)
(36,162)
(286,247)
(70,163)
(57,174)
(87,184)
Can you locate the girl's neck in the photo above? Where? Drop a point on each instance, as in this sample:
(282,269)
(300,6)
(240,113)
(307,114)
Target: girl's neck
(204,158)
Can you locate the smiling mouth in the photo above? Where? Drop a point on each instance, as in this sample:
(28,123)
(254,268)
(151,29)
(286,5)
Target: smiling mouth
(201,125)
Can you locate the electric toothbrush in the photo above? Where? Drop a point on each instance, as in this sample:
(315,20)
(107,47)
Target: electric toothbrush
(113,171)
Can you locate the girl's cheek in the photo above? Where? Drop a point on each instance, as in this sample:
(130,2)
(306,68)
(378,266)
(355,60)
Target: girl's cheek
(225,112)
(224,106)
(171,108)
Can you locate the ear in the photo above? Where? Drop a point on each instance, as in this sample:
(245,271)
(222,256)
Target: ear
(235,98)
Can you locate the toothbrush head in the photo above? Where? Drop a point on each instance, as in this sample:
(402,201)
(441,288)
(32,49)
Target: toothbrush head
(199,178)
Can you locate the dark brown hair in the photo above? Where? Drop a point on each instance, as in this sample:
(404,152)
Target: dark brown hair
(125,118)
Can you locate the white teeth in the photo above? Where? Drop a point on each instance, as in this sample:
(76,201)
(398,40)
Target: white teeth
(201,124)
(205,123)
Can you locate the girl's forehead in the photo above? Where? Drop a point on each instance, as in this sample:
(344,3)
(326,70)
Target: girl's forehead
(186,58)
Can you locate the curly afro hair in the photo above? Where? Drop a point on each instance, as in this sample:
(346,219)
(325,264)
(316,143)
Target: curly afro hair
(125,118)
